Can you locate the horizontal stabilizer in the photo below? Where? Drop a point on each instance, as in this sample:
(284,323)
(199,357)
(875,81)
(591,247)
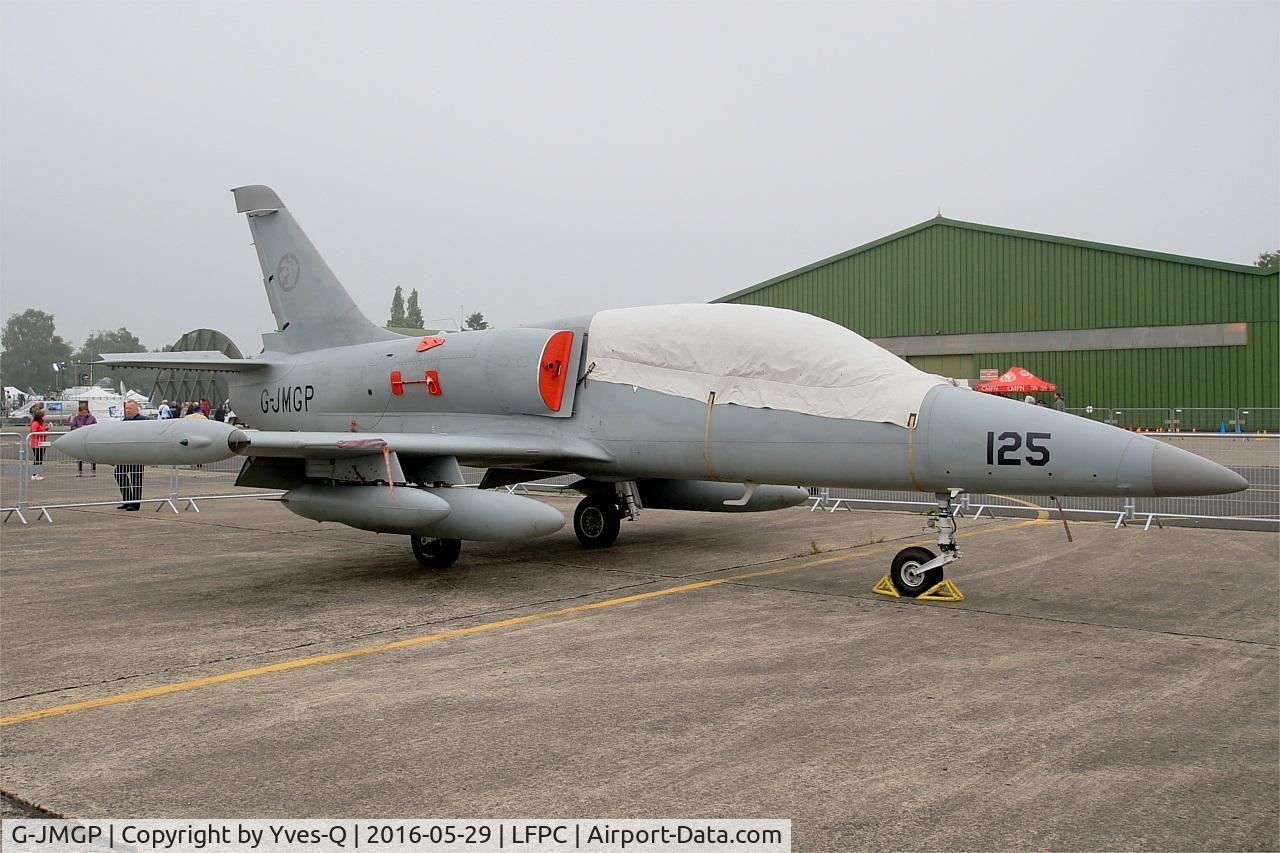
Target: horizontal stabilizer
(195,360)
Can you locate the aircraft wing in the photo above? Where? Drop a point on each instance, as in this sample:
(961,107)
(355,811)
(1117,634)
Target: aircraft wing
(193,360)
(184,441)
(478,450)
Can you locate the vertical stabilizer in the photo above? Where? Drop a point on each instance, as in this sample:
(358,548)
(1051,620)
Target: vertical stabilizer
(312,309)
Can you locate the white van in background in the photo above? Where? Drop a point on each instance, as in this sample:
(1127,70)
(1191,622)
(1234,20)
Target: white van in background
(57,412)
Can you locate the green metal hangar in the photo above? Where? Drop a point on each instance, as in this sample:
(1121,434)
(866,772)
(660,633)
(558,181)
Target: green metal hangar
(1147,339)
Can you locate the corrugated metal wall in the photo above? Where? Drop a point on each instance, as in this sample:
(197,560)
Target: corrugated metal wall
(945,277)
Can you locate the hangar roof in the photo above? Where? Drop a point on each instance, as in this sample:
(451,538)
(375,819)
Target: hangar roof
(1008,232)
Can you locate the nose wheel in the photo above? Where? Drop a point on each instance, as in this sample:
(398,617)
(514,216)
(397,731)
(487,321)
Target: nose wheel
(907,574)
(917,570)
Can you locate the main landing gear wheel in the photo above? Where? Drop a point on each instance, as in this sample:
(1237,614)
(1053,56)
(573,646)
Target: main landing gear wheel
(596,522)
(906,576)
(436,553)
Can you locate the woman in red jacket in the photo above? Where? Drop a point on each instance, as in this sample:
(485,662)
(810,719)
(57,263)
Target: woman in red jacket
(38,441)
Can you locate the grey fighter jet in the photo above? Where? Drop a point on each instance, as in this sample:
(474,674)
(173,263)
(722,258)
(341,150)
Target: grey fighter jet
(686,407)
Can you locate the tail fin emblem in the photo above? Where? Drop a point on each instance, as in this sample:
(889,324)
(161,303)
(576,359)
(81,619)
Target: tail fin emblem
(287,272)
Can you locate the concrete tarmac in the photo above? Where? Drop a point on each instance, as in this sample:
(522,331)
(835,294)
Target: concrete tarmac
(1118,692)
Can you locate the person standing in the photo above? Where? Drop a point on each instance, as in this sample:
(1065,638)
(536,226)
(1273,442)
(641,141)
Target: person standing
(1059,401)
(129,477)
(164,412)
(83,418)
(39,440)
(205,408)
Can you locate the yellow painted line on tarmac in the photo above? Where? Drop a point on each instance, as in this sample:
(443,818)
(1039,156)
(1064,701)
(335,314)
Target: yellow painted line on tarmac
(1042,513)
(300,663)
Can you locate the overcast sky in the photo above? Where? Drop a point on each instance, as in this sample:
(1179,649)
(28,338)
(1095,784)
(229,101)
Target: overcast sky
(536,159)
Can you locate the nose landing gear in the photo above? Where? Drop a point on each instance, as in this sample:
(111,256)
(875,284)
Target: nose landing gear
(907,574)
(916,571)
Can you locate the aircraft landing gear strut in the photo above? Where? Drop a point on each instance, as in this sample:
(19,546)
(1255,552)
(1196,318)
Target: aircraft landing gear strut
(598,518)
(917,570)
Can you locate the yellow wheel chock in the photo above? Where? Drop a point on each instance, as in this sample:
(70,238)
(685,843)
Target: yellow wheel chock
(944,590)
(885,587)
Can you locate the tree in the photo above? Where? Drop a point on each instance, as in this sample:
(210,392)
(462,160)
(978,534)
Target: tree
(1268,261)
(398,320)
(31,349)
(413,314)
(476,321)
(118,340)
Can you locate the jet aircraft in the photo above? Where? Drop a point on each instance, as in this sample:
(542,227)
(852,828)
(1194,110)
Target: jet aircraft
(720,408)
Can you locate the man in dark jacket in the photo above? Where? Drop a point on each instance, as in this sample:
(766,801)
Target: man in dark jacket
(129,477)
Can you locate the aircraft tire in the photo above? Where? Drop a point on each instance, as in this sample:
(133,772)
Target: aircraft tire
(596,522)
(904,576)
(435,553)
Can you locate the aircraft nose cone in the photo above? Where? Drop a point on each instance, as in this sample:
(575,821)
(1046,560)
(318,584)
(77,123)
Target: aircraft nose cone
(1175,471)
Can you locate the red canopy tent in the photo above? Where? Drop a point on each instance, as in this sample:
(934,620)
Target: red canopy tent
(1017,380)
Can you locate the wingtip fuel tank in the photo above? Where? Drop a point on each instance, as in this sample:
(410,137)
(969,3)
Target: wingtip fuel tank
(180,441)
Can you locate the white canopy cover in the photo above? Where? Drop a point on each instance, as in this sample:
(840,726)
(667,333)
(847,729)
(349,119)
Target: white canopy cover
(767,358)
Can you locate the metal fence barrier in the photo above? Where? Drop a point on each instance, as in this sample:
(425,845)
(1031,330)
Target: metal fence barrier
(1258,420)
(31,488)
(67,484)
